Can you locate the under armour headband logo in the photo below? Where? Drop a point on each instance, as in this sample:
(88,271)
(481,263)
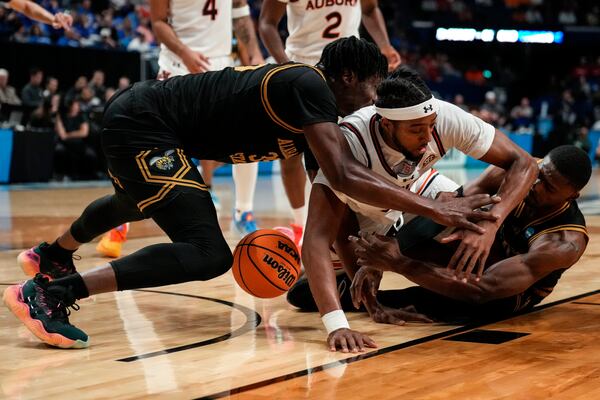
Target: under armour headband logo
(417,111)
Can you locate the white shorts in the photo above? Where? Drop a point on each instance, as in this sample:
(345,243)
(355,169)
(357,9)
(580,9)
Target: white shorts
(171,65)
(300,59)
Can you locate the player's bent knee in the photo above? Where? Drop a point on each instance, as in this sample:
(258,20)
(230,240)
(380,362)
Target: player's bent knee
(202,265)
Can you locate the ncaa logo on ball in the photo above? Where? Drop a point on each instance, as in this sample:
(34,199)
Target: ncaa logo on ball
(283,271)
(284,246)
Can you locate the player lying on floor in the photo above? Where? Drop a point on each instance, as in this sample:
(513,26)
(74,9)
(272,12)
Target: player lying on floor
(541,238)
(401,138)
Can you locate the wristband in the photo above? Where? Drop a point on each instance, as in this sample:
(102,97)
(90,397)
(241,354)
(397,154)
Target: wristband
(240,12)
(335,320)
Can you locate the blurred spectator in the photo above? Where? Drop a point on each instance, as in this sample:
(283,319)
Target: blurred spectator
(51,87)
(139,43)
(8,94)
(123,82)
(88,101)
(567,15)
(582,140)
(97,84)
(459,101)
(44,116)
(75,91)
(522,115)
(74,159)
(494,111)
(32,93)
(108,94)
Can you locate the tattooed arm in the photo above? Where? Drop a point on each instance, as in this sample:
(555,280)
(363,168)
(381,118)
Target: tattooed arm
(244,31)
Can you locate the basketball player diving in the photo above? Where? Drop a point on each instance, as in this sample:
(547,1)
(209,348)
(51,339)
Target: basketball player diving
(401,138)
(150,131)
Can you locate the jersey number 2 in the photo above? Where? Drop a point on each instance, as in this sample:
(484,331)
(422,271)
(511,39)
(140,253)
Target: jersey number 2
(210,8)
(335,19)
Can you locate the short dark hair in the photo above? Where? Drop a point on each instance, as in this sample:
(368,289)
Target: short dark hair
(402,88)
(358,55)
(573,164)
(34,71)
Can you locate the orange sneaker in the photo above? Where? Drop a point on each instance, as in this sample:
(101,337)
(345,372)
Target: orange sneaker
(112,242)
(298,235)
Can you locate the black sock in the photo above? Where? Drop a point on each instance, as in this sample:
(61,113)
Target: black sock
(75,283)
(56,253)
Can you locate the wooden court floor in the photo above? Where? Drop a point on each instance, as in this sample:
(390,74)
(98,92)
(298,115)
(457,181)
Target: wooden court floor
(212,340)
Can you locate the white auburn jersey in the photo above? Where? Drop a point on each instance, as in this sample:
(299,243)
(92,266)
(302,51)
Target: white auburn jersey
(454,128)
(312,24)
(202,25)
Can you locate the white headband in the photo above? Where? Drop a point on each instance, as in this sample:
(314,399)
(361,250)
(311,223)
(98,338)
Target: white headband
(421,110)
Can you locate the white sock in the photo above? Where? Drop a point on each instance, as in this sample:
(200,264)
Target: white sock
(299,216)
(244,178)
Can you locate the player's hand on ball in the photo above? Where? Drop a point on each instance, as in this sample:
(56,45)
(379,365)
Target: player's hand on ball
(347,340)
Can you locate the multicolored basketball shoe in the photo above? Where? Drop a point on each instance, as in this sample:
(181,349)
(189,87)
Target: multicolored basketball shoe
(246,224)
(44,310)
(35,261)
(111,243)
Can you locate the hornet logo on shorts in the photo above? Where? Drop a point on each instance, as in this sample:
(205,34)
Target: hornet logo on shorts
(164,162)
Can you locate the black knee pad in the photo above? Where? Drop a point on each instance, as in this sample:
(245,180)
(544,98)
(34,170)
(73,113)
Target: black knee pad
(202,265)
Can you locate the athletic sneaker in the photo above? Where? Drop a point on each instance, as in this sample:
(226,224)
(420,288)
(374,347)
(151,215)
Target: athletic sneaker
(246,224)
(45,312)
(215,200)
(35,261)
(111,243)
(294,232)
(298,235)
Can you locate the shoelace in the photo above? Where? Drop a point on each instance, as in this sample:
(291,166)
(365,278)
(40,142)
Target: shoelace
(53,306)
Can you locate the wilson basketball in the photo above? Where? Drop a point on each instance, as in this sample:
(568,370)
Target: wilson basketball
(266,263)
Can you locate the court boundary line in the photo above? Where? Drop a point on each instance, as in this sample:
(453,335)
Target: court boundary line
(253,320)
(389,349)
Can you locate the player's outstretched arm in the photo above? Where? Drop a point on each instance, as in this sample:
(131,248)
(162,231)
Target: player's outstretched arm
(243,26)
(373,20)
(159,14)
(38,13)
(325,212)
(505,278)
(271,13)
(352,178)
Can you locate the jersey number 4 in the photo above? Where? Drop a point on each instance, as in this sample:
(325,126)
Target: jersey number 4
(334,19)
(210,8)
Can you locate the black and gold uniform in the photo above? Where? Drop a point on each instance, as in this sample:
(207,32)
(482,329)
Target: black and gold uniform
(518,233)
(237,115)
(150,131)
(515,236)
